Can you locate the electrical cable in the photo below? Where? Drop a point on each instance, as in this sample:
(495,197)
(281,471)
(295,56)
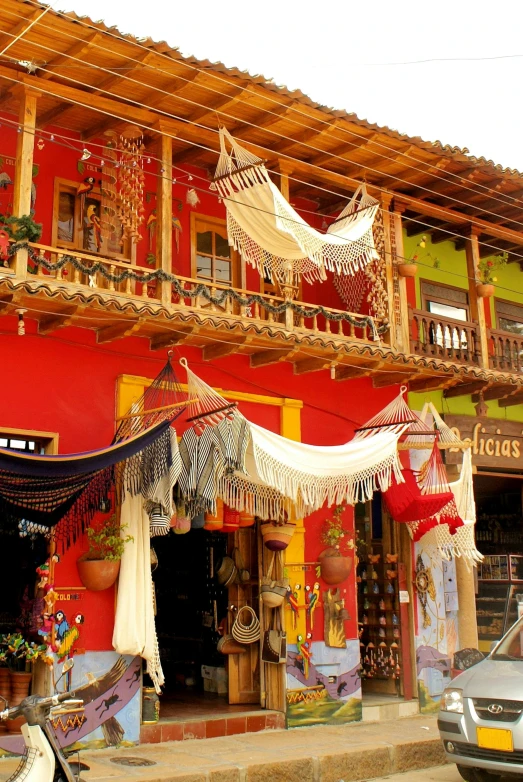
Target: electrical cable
(279,135)
(425,225)
(281,105)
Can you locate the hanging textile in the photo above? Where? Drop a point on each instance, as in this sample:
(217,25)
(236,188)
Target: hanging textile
(161,493)
(306,475)
(69,488)
(406,503)
(200,470)
(163,400)
(273,237)
(134,626)
(452,541)
(395,417)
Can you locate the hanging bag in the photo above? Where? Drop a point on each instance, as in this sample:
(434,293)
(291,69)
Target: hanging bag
(273,592)
(246,633)
(274,649)
(242,574)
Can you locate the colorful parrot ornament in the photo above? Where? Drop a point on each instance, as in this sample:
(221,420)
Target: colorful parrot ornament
(292,599)
(313,597)
(68,635)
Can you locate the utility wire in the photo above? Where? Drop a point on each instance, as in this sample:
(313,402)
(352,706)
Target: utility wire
(267,130)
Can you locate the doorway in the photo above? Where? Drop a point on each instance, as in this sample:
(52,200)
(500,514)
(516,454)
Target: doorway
(193,612)
(379,626)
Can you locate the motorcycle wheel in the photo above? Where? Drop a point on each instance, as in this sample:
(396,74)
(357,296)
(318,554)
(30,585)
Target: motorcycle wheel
(477,774)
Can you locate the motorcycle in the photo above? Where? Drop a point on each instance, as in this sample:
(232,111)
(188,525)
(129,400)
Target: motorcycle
(43,760)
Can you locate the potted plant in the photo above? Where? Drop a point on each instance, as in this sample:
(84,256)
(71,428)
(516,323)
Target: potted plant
(18,653)
(335,565)
(98,568)
(485,281)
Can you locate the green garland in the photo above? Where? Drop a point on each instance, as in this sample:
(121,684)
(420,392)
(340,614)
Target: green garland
(219,299)
(21,228)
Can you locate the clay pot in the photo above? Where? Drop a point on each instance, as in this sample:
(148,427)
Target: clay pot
(407,269)
(20,683)
(485,290)
(334,569)
(97,574)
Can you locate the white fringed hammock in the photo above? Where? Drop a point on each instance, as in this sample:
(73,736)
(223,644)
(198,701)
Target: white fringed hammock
(280,472)
(265,229)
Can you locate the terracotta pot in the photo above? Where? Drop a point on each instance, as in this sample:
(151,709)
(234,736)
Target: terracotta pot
(485,290)
(20,683)
(334,569)
(407,269)
(97,574)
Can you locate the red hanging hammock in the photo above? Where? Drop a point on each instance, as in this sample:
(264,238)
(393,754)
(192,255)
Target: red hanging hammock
(449,516)
(405,502)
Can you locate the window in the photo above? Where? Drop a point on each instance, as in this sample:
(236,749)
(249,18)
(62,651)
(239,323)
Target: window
(447,304)
(213,259)
(509,317)
(28,441)
(87,221)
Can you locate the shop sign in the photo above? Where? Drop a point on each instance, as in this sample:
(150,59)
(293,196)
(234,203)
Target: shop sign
(495,442)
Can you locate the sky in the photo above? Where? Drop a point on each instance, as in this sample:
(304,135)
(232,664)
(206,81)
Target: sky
(343,54)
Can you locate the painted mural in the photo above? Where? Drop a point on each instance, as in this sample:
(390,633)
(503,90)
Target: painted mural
(329,691)
(437,624)
(109,685)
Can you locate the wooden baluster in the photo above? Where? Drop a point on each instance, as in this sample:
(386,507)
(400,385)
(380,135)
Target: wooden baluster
(315,322)
(128,285)
(256,311)
(145,292)
(340,328)
(111,282)
(327,326)
(270,315)
(228,305)
(59,272)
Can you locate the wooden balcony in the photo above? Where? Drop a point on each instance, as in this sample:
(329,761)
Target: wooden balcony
(444,338)
(115,300)
(505,350)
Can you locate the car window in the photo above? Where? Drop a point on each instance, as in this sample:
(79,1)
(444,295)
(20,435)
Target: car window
(511,646)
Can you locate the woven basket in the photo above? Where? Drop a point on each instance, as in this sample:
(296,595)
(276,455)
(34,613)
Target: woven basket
(214,523)
(231,519)
(243,633)
(277,536)
(246,519)
(273,592)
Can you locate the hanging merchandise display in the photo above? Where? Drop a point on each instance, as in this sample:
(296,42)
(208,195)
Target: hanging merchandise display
(296,476)
(159,522)
(277,534)
(213,522)
(273,591)
(246,633)
(131,179)
(231,519)
(273,237)
(274,648)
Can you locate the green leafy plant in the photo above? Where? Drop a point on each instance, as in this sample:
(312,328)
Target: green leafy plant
(334,535)
(16,651)
(106,542)
(415,258)
(488,266)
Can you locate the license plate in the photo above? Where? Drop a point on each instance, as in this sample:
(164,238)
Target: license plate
(495,738)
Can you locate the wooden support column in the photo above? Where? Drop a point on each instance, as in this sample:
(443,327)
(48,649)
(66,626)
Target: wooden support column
(403,327)
(467,622)
(164,211)
(477,304)
(288,291)
(389,266)
(24,164)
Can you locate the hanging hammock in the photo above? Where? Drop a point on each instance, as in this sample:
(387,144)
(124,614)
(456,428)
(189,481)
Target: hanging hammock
(306,475)
(395,417)
(420,434)
(406,503)
(273,237)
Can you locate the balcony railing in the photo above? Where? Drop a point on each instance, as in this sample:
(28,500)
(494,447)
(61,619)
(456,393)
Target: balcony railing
(505,350)
(309,318)
(444,338)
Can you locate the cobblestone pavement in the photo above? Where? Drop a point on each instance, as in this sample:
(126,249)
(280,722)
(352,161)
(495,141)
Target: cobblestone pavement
(437,774)
(358,751)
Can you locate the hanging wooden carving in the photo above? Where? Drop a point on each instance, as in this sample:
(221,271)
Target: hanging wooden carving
(335,614)
(131,181)
(111,231)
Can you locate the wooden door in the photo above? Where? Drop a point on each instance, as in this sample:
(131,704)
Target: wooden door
(244,669)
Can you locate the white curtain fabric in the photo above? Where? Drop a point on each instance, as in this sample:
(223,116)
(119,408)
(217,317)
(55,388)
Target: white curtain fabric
(134,626)
(269,233)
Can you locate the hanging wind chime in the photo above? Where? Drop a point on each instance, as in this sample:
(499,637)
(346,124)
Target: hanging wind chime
(131,181)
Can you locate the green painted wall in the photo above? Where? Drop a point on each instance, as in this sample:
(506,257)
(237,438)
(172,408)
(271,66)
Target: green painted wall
(453,270)
(463,405)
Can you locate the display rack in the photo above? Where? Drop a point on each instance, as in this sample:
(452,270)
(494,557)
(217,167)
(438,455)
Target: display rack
(500,579)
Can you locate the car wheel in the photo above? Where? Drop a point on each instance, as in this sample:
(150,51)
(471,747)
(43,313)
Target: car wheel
(477,774)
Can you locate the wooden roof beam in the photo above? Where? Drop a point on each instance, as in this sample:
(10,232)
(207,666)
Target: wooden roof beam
(19,27)
(118,331)
(222,103)
(465,389)
(420,384)
(77,50)
(511,401)
(222,349)
(183,332)
(495,392)
(266,357)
